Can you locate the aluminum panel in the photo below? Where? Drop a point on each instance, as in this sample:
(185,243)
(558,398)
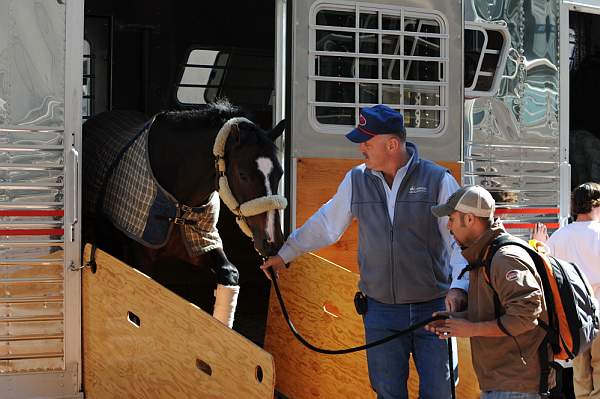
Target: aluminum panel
(307,142)
(512,141)
(37,295)
(32,63)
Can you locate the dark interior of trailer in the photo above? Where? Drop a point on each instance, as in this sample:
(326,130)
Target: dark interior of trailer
(584,142)
(155,55)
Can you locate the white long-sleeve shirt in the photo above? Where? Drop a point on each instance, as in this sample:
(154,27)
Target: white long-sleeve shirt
(327,225)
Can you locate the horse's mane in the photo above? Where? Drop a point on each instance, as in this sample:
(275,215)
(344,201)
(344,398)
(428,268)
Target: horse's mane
(211,115)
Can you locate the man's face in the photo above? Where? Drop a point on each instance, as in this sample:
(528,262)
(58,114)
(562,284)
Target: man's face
(376,151)
(458,227)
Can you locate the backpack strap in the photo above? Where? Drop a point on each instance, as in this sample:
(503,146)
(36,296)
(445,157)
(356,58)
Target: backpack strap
(544,368)
(499,242)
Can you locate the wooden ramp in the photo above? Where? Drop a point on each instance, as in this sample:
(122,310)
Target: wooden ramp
(319,297)
(142,341)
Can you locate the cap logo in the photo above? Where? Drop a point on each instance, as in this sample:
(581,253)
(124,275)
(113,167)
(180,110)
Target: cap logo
(362,121)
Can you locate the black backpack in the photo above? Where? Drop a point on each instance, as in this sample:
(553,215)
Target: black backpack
(573,318)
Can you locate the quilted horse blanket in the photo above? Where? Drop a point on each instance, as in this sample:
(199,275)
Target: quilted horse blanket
(120,184)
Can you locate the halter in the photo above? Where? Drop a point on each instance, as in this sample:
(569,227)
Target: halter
(250,208)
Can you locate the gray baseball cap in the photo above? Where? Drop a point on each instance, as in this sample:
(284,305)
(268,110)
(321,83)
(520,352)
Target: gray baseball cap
(470,199)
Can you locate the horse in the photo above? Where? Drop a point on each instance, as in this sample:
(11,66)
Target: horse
(150,189)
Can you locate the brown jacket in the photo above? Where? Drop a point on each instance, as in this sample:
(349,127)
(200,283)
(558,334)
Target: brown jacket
(508,363)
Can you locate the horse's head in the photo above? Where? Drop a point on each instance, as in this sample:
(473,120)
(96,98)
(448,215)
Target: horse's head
(253,171)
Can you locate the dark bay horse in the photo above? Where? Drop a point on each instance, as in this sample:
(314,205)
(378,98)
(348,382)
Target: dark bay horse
(148,184)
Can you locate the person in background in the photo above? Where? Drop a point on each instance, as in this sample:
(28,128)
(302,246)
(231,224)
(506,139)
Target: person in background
(404,252)
(504,331)
(579,243)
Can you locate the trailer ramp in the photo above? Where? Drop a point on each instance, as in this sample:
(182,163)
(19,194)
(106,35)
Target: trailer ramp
(140,340)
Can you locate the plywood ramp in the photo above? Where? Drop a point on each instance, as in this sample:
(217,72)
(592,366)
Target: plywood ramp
(178,351)
(319,295)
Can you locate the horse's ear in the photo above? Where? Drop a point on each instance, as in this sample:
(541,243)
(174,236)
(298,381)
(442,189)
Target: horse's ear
(276,131)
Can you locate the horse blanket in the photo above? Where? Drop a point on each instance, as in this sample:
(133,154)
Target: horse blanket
(116,155)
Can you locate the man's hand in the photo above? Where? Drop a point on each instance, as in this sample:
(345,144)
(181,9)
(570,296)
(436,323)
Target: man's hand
(276,263)
(456,326)
(456,300)
(540,232)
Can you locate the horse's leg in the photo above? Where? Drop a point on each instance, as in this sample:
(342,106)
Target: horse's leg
(228,287)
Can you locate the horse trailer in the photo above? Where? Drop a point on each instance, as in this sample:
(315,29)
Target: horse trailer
(499,92)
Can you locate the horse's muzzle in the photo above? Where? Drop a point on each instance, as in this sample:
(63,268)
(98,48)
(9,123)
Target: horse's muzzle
(270,248)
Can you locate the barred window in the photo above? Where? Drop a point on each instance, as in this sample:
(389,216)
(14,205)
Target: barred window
(365,54)
(244,76)
(88,81)
(486,48)
(202,76)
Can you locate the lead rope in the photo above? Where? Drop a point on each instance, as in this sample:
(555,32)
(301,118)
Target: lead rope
(345,350)
(361,347)
(451,367)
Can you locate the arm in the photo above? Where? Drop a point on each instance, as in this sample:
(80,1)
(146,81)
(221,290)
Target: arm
(520,296)
(540,232)
(458,326)
(513,278)
(323,228)
(456,298)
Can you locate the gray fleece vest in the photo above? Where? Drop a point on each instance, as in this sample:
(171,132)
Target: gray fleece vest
(404,261)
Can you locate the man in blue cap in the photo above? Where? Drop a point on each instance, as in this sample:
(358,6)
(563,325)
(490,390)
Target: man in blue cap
(404,252)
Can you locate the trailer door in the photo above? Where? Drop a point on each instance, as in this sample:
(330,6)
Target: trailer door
(40,124)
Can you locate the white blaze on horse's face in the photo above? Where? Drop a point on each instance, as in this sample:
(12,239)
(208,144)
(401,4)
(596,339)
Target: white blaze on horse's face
(265,166)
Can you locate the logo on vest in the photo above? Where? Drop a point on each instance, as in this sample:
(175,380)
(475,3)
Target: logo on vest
(417,190)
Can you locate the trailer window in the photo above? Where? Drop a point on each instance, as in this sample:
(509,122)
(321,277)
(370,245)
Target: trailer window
(364,54)
(245,76)
(88,77)
(486,47)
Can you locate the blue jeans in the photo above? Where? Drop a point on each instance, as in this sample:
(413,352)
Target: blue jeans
(388,363)
(508,395)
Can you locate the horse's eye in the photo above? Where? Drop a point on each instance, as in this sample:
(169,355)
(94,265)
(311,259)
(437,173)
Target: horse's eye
(244,176)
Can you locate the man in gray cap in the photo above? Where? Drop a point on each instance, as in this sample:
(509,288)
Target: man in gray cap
(404,252)
(504,307)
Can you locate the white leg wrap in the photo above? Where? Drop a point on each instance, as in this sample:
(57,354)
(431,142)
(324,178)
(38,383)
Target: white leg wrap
(225,303)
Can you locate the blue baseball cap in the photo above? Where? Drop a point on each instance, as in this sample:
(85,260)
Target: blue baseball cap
(379,119)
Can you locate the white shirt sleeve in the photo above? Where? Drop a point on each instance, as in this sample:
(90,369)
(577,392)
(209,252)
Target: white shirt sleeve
(457,261)
(324,227)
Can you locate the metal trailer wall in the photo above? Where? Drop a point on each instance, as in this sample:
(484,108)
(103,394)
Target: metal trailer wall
(40,125)
(512,139)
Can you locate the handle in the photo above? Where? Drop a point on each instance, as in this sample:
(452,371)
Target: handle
(75,198)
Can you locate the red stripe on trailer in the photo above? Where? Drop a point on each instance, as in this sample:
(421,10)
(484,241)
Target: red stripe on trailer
(26,212)
(32,232)
(528,225)
(522,211)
